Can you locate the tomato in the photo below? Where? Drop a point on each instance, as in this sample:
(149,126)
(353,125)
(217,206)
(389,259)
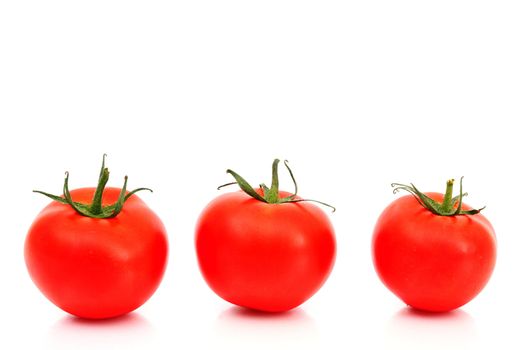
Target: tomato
(265,253)
(432,255)
(97,267)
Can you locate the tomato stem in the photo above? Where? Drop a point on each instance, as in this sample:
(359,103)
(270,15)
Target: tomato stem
(96,205)
(270,195)
(96,210)
(449,207)
(447,200)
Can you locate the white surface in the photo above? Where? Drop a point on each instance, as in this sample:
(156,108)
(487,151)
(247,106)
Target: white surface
(355,95)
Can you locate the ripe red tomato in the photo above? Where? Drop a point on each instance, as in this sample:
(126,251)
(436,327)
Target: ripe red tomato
(264,256)
(97,267)
(433,261)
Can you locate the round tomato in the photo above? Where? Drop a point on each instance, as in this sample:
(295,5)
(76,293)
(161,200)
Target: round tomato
(264,249)
(432,251)
(97,266)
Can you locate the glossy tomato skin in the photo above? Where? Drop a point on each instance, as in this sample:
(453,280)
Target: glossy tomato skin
(97,268)
(431,262)
(268,257)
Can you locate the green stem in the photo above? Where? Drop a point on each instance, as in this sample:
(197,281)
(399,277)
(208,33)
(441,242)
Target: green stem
(96,204)
(273,194)
(447,199)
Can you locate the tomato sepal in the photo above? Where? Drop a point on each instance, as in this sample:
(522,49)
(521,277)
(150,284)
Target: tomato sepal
(451,206)
(270,195)
(96,210)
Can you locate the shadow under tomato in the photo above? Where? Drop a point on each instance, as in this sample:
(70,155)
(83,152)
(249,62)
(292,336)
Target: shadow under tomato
(241,328)
(236,312)
(118,322)
(414,329)
(131,331)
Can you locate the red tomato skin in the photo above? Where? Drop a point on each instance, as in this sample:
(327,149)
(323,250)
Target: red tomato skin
(267,257)
(97,268)
(433,263)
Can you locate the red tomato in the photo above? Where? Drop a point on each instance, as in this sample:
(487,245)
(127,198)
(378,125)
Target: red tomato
(433,262)
(93,267)
(264,256)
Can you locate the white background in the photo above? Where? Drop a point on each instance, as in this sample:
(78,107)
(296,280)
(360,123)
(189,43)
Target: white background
(355,95)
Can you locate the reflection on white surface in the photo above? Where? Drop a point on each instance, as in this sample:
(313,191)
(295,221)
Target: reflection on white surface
(239,328)
(412,329)
(131,331)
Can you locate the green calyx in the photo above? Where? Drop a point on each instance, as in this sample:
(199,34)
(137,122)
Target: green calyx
(96,210)
(270,195)
(449,207)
